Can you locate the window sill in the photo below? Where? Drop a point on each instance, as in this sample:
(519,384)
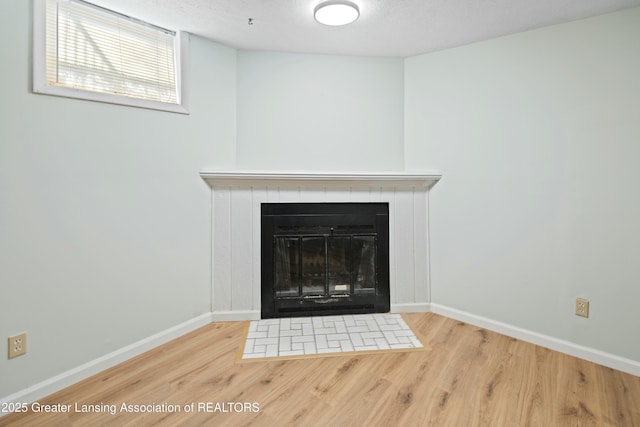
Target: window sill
(66,92)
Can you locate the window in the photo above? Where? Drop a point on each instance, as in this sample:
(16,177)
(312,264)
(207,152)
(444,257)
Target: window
(87,52)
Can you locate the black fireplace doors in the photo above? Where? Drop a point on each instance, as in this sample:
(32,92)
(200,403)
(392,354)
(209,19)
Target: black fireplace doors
(324,258)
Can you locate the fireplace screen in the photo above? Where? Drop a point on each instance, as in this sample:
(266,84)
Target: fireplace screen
(324,258)
(327,265)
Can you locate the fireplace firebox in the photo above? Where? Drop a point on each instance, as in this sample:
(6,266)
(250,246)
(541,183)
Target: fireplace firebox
(324,258)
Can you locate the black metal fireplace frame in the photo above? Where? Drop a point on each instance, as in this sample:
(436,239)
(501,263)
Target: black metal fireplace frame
(324,219)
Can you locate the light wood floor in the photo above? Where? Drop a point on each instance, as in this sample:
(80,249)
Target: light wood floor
(467,377)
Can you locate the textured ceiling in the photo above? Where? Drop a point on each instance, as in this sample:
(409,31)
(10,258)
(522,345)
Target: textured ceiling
(396,28)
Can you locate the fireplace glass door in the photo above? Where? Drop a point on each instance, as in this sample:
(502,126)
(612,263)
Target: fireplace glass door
(322,266)
(324,259)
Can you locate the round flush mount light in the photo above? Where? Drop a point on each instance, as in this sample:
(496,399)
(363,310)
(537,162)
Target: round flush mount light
(336,13)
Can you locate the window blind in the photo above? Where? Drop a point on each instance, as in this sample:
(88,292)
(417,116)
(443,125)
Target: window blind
(94,49)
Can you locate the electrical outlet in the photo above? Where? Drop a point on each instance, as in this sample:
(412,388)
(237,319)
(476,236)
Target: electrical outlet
(17,345)
(582,307)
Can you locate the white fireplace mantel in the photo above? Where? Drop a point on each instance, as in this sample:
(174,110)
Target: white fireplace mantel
(353,180)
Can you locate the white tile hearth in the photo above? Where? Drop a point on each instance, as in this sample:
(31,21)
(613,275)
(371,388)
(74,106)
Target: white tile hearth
(301,336)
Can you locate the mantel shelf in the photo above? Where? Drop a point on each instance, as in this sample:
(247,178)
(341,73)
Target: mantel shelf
(339,179)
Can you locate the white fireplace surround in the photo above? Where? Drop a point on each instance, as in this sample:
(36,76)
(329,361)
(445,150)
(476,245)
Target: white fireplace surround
(236,198)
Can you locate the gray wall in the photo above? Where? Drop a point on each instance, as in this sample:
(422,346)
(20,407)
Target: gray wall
(538,139)
(104,220)
(319,112)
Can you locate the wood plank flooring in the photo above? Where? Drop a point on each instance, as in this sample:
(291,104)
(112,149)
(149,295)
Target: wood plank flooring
(468,376)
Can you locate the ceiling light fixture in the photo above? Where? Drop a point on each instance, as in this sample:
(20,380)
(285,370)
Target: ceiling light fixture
(336,13)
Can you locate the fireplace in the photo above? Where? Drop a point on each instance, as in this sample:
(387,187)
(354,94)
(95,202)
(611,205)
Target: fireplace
(236,217)
(324,258)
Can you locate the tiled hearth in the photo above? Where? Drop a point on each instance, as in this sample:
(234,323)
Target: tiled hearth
(328,334)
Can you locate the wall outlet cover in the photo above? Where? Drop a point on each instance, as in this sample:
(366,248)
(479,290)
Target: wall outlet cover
(17,345)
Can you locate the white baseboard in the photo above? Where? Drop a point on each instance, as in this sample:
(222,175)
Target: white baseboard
(411,308)
(72,376)
(235,316)
(593,355)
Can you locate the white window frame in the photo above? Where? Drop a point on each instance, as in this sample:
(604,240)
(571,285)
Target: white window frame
(41,86)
